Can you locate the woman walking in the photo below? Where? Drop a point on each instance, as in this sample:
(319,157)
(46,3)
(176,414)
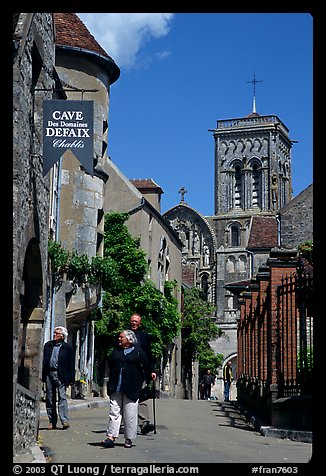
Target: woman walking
(128,368)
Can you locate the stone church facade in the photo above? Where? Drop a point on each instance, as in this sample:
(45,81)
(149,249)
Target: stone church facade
(253,184)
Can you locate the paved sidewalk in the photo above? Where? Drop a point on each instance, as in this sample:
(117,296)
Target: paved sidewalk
(191,419)
(35,454)
(78,404)
(188,431)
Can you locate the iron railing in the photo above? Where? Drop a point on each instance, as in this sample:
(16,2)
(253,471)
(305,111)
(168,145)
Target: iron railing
(295,334)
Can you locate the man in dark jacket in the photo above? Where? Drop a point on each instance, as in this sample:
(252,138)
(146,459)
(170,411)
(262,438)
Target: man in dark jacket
(207,382)
(144,342)
(58,372)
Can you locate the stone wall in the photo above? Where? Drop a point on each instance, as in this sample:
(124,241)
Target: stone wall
(33,60)
(25,419)
(297,219)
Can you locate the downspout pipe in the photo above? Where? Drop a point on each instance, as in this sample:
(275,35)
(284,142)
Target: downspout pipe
(138,207)
(278,221)
(57,239)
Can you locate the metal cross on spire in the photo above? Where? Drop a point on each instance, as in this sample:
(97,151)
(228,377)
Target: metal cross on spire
(183,191)
(254,82)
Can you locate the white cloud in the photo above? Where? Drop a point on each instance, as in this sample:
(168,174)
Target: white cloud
(123,35)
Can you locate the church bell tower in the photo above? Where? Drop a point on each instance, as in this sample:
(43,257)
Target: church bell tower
(252,164)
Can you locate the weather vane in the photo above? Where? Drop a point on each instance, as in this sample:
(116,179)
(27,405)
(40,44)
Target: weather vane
(254,82)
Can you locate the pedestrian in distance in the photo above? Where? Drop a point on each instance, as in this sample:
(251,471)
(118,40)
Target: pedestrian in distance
(58,372)
(144,343)
(207,383)
(227,378)
(126,374)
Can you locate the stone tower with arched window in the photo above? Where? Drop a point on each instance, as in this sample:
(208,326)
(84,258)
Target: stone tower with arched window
(252,179)
(252,165)
(252,182)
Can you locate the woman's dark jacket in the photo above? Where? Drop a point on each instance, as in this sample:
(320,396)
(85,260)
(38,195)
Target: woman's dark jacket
(66,362)
(133,365)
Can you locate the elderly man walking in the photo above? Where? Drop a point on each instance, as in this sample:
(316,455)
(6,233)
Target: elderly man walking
(58,373)
(144,343)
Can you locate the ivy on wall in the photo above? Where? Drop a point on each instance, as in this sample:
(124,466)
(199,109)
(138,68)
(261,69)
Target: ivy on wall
(79,269)
(121,273)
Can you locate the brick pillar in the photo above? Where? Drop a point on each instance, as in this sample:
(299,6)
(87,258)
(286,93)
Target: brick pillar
(255,357)
(281,263)
(240,338)
(263,278)
(247,352)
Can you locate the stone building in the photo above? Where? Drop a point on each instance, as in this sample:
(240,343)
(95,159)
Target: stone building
(252,196)
(82,197)
(76,216)
(141,198)
(33,58)
(62,201)
(295,220)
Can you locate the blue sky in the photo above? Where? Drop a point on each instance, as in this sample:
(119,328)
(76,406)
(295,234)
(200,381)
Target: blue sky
(182,72)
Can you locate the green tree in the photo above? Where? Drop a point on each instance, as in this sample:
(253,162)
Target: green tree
(198,329)
(160,315)
(130,291)
(121,273)
(121,247)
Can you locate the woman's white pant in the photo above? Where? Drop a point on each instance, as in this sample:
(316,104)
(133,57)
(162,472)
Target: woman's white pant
(121,407)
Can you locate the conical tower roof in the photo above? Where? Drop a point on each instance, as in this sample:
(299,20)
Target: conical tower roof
(71,32)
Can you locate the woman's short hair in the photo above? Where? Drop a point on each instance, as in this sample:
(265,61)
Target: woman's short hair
(131,336)
(63,331)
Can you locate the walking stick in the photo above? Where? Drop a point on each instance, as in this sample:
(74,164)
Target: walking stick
(154,413)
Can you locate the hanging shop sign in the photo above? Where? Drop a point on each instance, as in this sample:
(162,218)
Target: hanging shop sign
(68,125)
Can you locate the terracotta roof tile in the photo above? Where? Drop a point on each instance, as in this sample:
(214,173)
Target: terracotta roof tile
(71,31)
(146,184)
(263,232)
